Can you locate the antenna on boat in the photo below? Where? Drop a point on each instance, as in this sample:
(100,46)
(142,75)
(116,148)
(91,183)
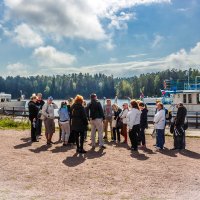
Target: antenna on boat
(188,73)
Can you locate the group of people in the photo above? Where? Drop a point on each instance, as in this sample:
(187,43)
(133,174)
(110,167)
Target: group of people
(75,115)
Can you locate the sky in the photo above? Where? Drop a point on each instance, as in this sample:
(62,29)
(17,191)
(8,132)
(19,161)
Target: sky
(122,38)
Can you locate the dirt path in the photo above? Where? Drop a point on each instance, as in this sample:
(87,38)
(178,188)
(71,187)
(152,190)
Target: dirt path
(34,171)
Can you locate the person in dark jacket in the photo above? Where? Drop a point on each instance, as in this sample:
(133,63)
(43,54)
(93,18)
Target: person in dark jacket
(40,104)
(179,132)
(143,124)
(79,122)
(117,128)
(96,117)
(33,113)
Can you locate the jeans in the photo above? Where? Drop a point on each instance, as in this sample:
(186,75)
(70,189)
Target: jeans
(160,138)
(65,127)
(118,134)
(133,135)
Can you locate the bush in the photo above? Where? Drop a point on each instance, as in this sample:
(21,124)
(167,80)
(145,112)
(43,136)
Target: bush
(10,123)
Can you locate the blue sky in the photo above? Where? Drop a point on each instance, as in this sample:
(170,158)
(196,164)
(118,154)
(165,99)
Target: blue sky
(118,37)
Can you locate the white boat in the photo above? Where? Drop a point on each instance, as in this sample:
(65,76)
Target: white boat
(178,92)
(6,103)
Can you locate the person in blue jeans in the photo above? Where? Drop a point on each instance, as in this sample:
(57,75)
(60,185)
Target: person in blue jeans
(159,124)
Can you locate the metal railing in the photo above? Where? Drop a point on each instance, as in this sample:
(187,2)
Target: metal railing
(192,117)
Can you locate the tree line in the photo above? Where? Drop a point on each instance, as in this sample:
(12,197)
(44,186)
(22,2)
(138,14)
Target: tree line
(66,86)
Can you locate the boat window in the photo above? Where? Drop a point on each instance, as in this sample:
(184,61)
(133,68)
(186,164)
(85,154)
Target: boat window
(198,98)
(189,98)
(2,100)
(184,98)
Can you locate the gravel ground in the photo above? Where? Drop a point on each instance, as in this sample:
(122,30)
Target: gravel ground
(37,172)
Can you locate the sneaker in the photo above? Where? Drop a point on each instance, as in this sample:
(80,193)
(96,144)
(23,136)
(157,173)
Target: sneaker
(102,147)
(158,148)
(64,144)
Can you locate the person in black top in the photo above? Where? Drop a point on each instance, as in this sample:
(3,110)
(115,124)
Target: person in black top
(33,113)
(179,132)
(79,122)
(143,124)
(96,116)
(40,104)
(117,111)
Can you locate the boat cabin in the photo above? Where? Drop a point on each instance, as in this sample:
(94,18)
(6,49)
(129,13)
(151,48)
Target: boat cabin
(5,97)
(187,97)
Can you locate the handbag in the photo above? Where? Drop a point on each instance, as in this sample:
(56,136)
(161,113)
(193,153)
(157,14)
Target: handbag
(119,124)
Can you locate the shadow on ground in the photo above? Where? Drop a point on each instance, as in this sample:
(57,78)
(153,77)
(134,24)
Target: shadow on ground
(27,143)
(78,159)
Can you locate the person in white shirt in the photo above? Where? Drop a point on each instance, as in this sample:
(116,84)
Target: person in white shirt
(159,124)
(123,116)
(133,122)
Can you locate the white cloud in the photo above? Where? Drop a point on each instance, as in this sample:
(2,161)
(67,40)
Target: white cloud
(136,55)
(113,60)
(119,22)
(26,37)
(157,40)
(50,57)
(18,68)
(80,18)
(109,45)
(179,60)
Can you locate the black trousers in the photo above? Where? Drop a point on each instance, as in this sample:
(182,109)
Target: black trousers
(179,140)
(141,137)
(39,127)
(33,131)
(133,135)
(79,137)
(116,131)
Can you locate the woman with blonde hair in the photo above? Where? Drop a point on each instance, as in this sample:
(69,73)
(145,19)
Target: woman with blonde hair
(79,122)
(116,129)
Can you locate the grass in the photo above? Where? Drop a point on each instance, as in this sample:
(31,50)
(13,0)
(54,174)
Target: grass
(10,123)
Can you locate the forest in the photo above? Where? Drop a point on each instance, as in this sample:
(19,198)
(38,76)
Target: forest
(66,86)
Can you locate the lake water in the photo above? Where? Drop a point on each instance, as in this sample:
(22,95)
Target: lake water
(119,101)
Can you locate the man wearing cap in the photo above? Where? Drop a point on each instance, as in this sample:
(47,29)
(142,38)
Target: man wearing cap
(48,112)
(96,117)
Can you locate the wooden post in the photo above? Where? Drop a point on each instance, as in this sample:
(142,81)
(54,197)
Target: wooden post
(13,112)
